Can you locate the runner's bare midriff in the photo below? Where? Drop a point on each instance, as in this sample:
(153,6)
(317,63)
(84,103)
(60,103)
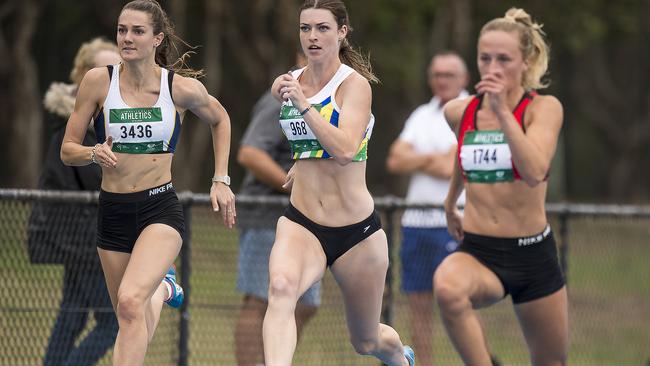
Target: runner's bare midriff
(331,194)
(505,210)
(137,172)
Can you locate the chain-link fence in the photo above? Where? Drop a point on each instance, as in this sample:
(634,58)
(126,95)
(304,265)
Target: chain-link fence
(605,248)
(54,306)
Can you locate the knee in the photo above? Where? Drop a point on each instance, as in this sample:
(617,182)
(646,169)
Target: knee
(282,287)
(550,360)
(557,357)
(129,307)
(450,294)
(365,346)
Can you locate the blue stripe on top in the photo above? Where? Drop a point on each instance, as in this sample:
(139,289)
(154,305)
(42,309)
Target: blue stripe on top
(335,118)
(177,132)
(100,130)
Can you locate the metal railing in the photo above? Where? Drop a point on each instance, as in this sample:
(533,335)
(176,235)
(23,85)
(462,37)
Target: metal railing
(611,226)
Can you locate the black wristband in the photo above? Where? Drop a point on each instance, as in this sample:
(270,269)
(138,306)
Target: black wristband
(304,111)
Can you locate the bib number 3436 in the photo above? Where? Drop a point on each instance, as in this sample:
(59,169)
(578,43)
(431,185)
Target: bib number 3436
(136,131)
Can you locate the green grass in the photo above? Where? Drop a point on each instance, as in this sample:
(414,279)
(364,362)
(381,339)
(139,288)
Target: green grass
(609,294)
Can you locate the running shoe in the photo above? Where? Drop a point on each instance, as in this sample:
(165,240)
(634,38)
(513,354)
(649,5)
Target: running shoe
(176,298)
(410,355)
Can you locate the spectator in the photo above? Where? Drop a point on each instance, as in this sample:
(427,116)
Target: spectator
(425,150)
(71,230)
(266,155)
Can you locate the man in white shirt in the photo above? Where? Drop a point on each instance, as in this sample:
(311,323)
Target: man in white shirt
(426,149)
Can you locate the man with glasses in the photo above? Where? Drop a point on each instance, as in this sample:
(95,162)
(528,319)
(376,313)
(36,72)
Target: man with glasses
(425,150)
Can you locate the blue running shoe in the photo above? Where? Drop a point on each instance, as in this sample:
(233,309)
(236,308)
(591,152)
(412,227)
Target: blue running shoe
(410,355)
(176,298)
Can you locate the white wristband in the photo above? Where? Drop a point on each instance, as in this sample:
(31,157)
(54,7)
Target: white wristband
(221,179)
(93,154)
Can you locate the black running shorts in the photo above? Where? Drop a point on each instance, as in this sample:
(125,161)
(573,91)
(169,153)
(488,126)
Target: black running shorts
(123,216)
(527,267)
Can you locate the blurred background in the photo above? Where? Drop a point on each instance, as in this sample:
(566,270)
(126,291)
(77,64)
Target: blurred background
(598,70)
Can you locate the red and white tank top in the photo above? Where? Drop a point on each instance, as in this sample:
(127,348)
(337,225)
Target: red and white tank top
(484,156)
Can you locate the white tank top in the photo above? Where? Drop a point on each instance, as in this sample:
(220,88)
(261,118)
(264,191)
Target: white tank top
(304,144)
(150,130)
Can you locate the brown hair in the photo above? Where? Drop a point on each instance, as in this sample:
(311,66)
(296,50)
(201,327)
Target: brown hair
(161,23)
(347,53)
(85,58)
(531,43)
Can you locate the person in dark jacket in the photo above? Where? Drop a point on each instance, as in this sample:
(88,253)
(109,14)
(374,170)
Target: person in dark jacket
(70,229)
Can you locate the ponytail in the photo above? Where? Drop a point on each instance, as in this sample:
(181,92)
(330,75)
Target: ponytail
(533,47)
(357,61)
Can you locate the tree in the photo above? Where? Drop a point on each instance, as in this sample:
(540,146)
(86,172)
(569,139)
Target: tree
(18,20)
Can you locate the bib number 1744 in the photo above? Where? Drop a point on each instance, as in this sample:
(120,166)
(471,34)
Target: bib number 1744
(485,156)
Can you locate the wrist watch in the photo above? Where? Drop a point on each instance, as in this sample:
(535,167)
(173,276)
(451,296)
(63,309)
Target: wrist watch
(221,178)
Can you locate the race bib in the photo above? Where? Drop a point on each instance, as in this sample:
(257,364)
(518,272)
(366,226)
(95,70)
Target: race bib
(485,157)
(294,125)
(138,130)
(303,142)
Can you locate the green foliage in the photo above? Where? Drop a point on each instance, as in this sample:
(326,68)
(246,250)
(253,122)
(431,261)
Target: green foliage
(254,44)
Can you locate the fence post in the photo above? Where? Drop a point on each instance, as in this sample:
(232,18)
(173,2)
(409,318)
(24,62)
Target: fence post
(564,248)
(186,271)
(388,299)
(387,303)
